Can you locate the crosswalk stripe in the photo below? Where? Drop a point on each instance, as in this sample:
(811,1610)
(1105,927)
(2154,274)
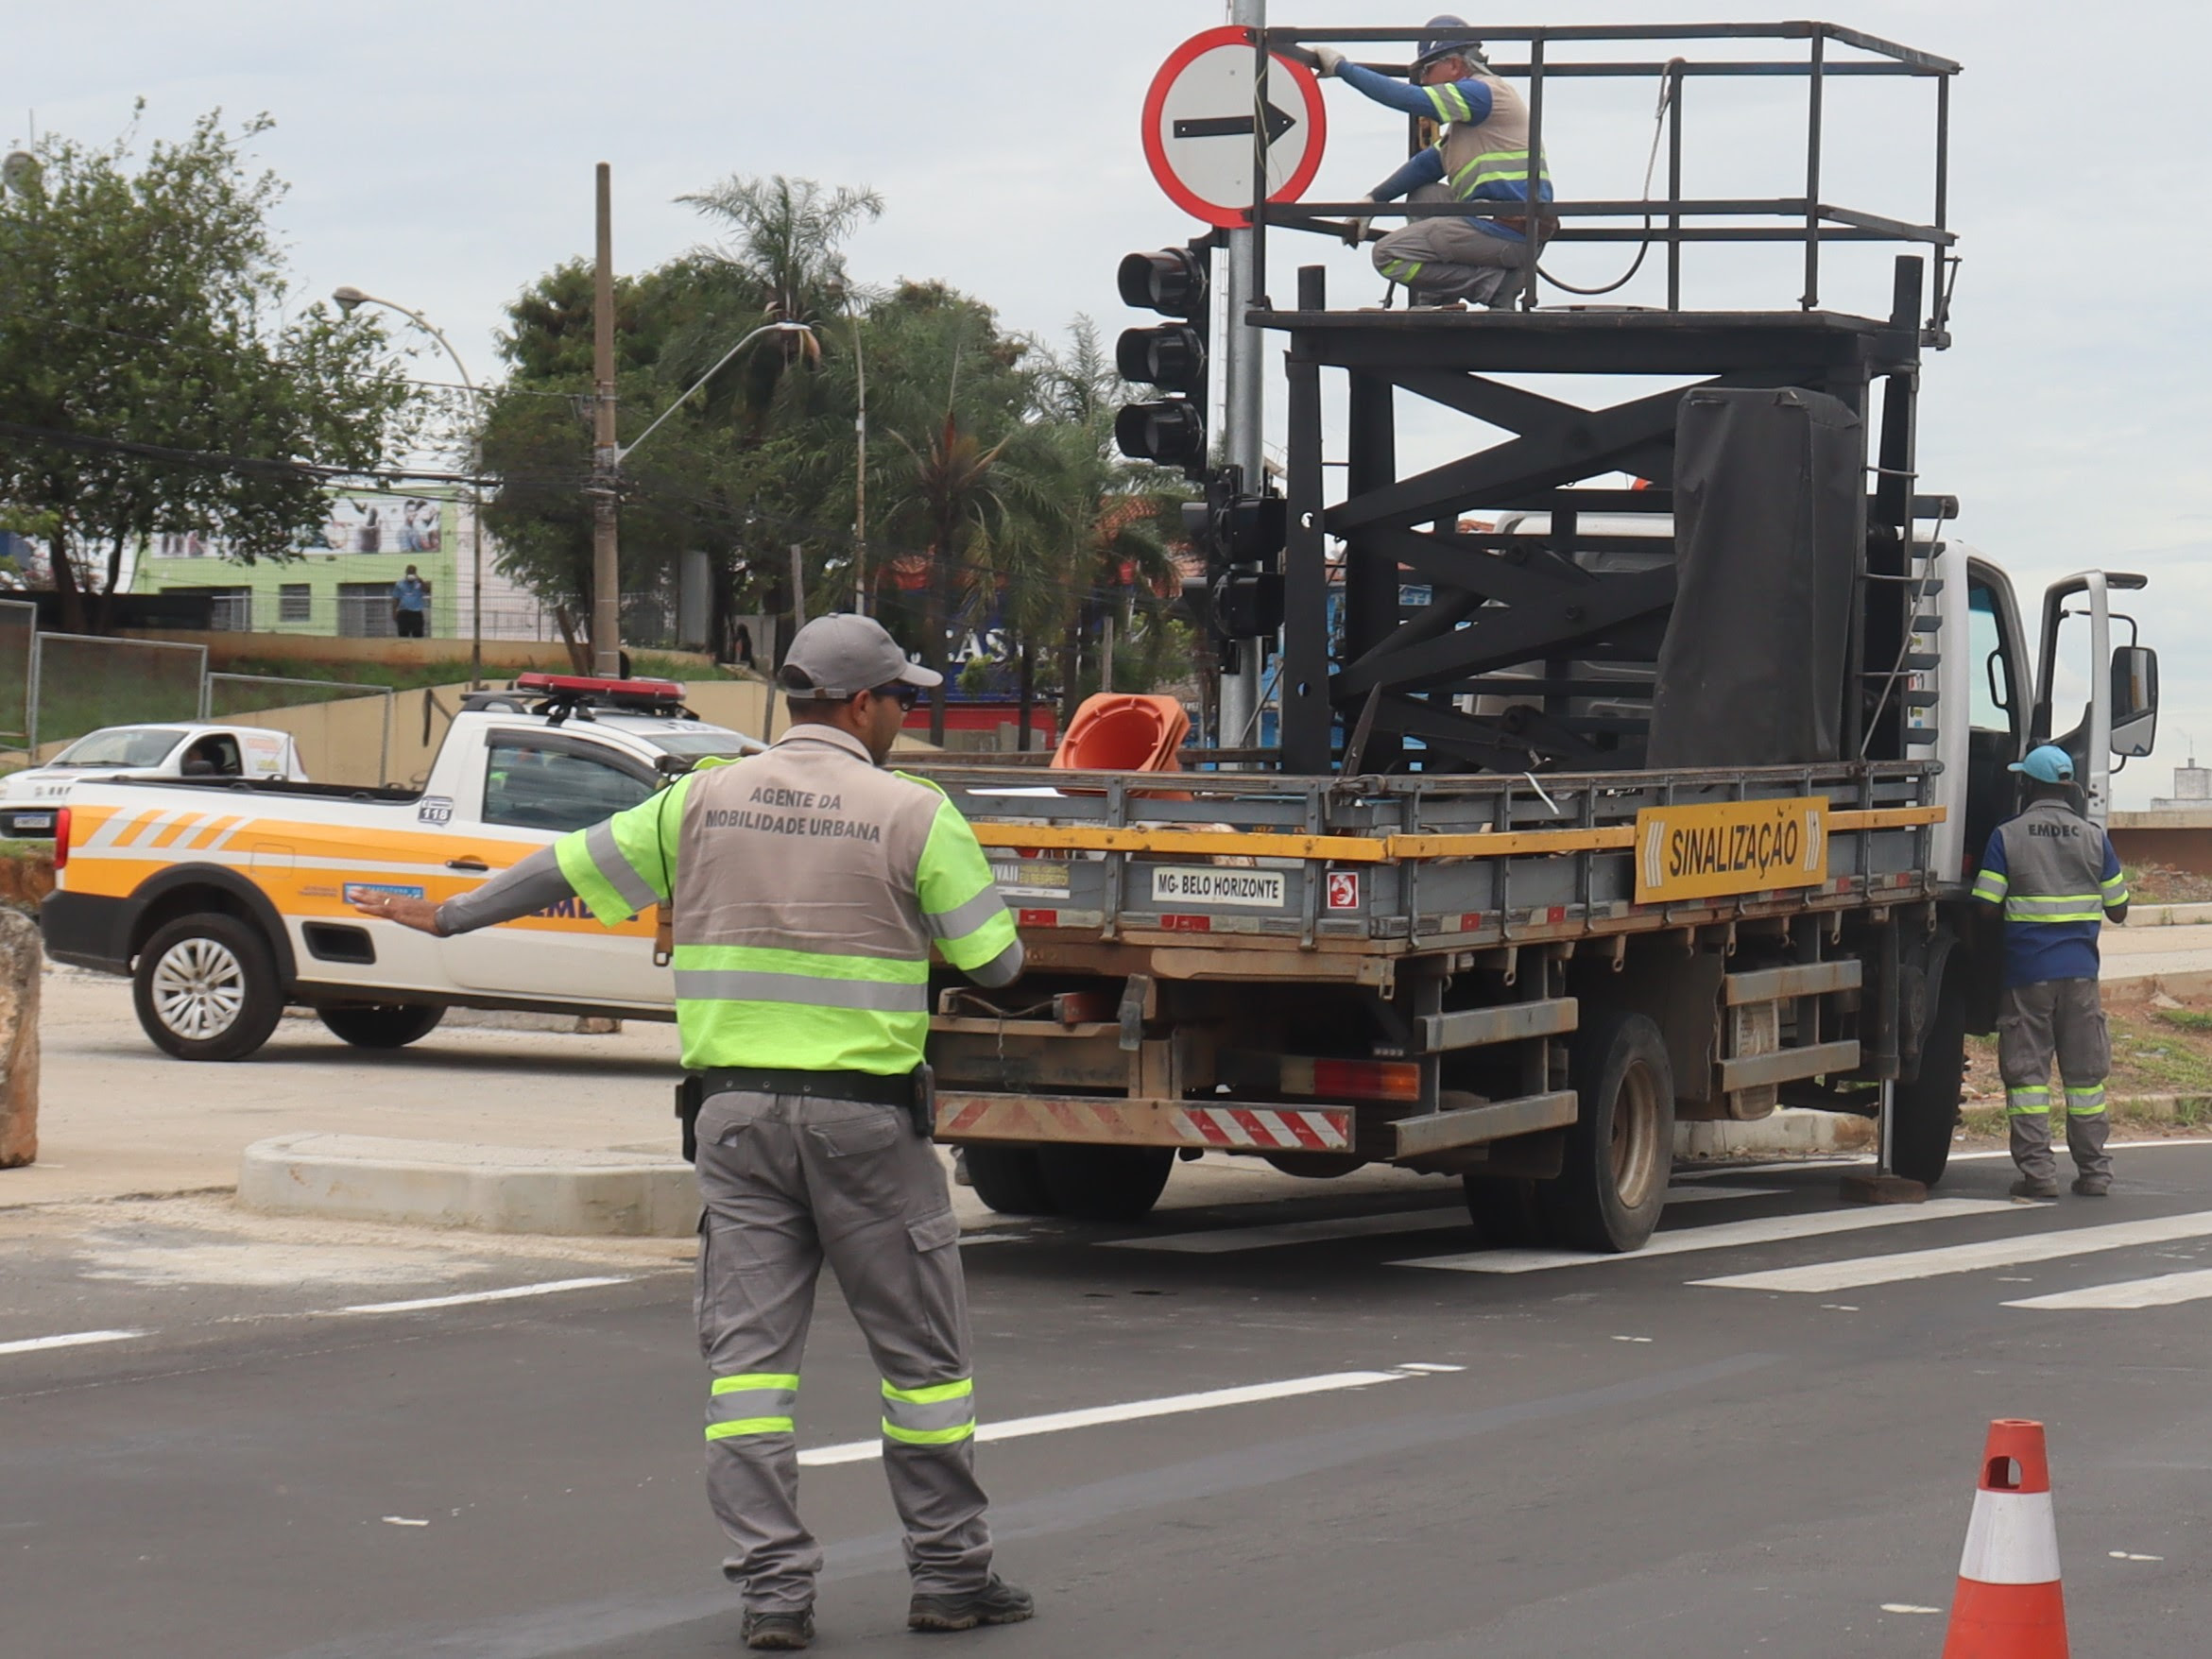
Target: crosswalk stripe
(1762,1230)
(1705,1193)
(2166,1291)
(1222,1241)
(1956,1258)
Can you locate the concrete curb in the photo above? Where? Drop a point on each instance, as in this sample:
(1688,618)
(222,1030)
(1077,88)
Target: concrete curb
(2169,915)
(489,1189)
(1791,1130)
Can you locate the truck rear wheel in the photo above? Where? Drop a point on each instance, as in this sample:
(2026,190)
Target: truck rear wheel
(1621,1151)
(391,1025)
(1010,1180)
(1105,1183)
(1927,1108)
(1504,1210)
(206,989)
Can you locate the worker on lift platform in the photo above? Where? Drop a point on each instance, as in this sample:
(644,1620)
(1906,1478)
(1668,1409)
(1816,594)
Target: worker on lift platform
(1482,156)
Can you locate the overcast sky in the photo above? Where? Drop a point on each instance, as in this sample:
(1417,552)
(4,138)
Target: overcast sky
(441,155)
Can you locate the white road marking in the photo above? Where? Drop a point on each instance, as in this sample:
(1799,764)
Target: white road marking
(1726,1236)
(1703,1193)
(2130,1555)
(1955,1259)
(75,1339)
(1907,1607)
(2166,1291)
(861,1451)
(1417,1365)
(513,1292)
(403,1521)
(1222,1241)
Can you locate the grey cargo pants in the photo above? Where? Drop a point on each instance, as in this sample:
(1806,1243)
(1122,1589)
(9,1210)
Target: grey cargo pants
(788,1181)
(2067,1017)
(1452,259)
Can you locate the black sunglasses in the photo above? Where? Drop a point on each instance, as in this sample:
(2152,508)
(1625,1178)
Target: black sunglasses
(909,697)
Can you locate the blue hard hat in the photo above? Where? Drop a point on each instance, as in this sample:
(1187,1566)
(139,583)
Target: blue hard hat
(2047,765)
(1445,36)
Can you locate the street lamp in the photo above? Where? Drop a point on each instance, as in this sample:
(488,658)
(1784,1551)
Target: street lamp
(351,299)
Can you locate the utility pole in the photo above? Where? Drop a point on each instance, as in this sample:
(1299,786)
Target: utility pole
(860,482)
(1241,358)
(797,588)
(606,457)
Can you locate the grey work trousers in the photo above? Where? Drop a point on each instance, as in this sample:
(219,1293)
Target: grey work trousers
(788,1182)
(1452,259)
(2034,1021)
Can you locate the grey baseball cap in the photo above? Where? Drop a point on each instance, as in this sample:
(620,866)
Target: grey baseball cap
(834,656)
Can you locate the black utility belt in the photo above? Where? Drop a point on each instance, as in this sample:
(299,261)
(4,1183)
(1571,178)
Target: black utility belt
(872,1086)
(912,1092)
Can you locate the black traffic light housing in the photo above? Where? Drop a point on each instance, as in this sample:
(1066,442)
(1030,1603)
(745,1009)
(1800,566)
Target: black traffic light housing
(1242,535)
(1177,282)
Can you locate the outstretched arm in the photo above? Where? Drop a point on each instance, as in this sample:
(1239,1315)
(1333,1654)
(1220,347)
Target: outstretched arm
(520,890)
(1451,100)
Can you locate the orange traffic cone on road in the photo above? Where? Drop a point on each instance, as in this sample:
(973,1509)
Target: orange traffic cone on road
(2009,1604)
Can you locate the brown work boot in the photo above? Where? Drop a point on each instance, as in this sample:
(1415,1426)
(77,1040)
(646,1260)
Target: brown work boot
(997,1602)
(785,1633)
(2093,1186)
(2027,1187)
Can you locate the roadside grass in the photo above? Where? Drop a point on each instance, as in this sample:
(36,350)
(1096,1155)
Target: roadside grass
(2159,884)
(408,677)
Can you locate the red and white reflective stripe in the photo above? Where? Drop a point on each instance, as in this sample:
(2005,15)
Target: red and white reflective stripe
(1144,1123)
(1268,1128)
(2011,1539)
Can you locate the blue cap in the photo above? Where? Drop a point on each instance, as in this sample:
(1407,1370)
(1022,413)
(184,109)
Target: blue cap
(2047,765)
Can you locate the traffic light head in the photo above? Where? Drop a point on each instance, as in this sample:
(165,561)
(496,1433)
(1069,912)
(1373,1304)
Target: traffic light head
(1172,357)
(1172,282)
(1171,433)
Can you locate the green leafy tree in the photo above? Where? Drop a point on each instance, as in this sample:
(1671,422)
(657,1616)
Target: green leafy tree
(147,305)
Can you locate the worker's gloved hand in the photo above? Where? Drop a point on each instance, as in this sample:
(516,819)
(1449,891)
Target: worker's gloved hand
(1355,233)
(1327,60)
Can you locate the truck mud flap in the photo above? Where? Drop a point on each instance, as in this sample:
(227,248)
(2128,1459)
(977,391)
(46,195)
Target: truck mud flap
(1243,1127)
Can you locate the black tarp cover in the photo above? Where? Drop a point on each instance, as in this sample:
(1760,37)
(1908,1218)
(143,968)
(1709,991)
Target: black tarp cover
(1769,521)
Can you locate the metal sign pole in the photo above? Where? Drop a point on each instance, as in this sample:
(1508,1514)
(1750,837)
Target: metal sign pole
(1241,360)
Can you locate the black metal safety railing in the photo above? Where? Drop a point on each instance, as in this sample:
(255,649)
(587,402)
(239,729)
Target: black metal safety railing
(1832,52)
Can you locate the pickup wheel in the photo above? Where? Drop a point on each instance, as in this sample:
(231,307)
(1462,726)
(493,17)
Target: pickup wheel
(1105,1183)
(1621,1151)
(383,1025)
(1927,1108)
(1009,1179)
(206,988)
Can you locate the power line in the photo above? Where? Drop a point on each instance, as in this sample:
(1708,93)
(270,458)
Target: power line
(221,461)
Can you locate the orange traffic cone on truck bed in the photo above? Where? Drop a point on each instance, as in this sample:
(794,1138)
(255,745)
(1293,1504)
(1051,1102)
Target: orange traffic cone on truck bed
(2009,1604)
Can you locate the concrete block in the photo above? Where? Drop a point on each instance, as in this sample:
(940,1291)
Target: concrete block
(488,1188)
(1792,1129)
(23,961)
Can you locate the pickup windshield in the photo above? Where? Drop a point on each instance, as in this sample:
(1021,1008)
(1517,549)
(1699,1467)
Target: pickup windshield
(121,746)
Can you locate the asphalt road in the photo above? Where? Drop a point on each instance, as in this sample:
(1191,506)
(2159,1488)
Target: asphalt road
(1340,1432)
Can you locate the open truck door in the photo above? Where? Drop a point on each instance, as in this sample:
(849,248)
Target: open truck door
(2120,716)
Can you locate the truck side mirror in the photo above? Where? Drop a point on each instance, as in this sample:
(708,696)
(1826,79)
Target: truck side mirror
(2134,701)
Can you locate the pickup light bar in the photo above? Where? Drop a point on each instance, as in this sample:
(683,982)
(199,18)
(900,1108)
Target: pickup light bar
(621,693)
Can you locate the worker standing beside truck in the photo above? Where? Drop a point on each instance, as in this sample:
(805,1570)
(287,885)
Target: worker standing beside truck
(2056,876)
(1482,156)
(807,886)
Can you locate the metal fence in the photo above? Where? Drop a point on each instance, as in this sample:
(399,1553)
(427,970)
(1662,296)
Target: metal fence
(364,612)
(229,696)
(79,682)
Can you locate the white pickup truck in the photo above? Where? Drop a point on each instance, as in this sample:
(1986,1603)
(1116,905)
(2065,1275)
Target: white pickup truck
(178,749)
(225,902)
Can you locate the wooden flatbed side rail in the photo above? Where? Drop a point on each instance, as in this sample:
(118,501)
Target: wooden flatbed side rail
(1367,849)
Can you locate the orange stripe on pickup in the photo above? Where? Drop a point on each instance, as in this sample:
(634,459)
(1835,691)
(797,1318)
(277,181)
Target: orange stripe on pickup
(181,828)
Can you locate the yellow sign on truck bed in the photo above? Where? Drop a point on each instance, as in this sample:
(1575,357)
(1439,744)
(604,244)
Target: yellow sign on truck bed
(1727,847)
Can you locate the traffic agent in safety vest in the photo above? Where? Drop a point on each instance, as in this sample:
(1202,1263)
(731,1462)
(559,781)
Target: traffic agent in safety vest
(807,888)
(1482,154)
(2057,880)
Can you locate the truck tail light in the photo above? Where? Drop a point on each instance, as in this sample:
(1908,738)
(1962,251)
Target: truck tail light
(61,839)
(1359,1080)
